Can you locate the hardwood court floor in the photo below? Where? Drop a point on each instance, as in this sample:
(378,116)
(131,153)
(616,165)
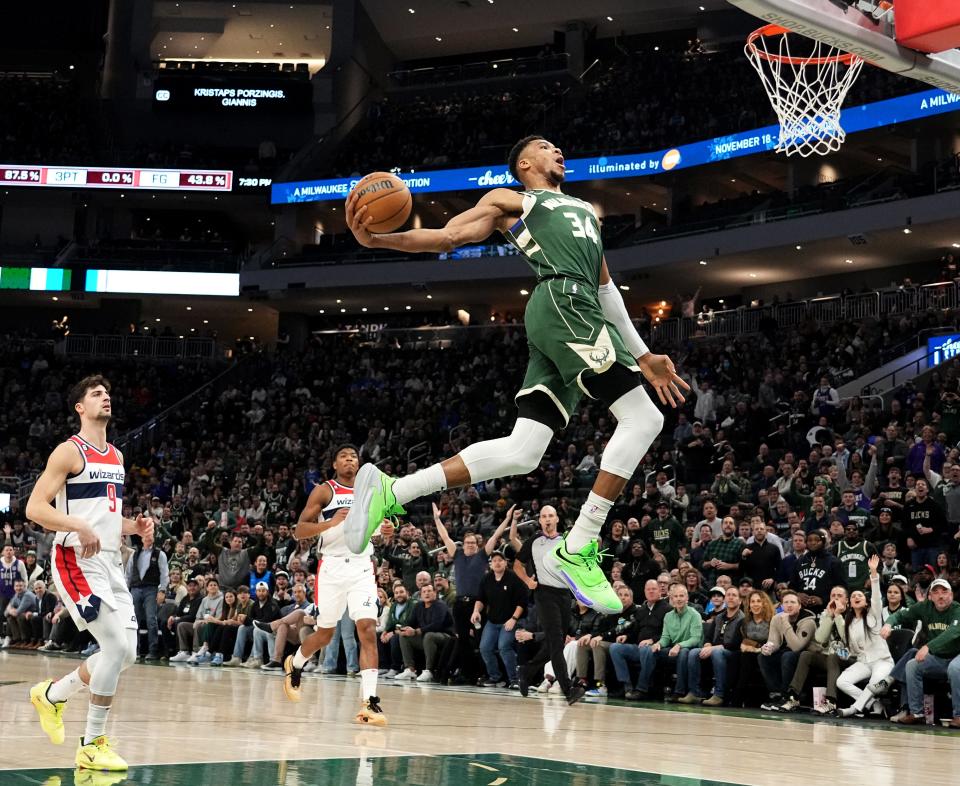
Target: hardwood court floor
(187,726)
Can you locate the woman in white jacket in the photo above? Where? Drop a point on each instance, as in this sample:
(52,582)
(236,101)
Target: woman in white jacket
(874,661)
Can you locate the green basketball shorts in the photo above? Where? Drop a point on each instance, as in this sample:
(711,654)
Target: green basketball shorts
(568,339)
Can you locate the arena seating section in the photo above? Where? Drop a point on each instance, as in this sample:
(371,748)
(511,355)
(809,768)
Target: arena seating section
(408,400)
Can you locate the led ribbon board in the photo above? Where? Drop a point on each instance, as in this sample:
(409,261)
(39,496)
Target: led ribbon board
(859,118)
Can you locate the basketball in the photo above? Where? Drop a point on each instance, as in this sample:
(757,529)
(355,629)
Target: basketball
(387,199)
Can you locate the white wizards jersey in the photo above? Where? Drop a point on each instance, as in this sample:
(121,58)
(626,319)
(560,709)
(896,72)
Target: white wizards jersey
(331,543)
(95,494)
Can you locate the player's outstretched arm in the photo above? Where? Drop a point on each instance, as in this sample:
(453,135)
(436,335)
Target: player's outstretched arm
(64,460)
(658,370)
(497,209)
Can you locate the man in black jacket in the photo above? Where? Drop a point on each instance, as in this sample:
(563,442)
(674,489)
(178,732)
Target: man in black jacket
(722,637)
(647,628)
(816,573)
(925,525)
(760,560)
(430,628)
(186,612)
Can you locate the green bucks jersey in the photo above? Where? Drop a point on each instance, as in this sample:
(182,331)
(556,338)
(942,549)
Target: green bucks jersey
(560,236)
(854,561)
(568,337)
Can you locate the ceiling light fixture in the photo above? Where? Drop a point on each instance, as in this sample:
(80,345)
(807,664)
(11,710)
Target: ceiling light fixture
(429,297)
(703,262)
(625,287)
(515,30)
(753,275)
(524,292)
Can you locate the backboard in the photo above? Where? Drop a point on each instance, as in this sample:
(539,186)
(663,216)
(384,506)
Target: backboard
(836,23)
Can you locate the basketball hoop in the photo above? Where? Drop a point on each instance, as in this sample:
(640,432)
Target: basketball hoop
(806,91)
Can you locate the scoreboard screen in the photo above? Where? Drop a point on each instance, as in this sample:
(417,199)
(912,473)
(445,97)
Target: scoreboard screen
(108,177)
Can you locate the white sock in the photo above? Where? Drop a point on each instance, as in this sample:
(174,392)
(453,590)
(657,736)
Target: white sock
(65,687)
(368,683)
(419,484)
(592,516)
(96,722)
(299,659)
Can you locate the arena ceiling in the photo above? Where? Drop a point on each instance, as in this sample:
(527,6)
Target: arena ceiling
(262,31)
(487,25)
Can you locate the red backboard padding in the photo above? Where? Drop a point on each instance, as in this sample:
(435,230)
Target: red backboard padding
(928,25)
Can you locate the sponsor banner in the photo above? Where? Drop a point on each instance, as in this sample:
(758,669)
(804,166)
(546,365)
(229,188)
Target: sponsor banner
(858,118)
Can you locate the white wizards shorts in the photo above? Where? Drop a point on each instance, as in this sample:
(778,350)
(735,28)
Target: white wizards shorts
(90,585)
(345,585)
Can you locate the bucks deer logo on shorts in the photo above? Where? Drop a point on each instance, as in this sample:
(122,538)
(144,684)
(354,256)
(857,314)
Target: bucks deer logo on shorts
(598,356)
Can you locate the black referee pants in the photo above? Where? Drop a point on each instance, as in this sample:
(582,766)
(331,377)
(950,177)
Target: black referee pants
(553,611)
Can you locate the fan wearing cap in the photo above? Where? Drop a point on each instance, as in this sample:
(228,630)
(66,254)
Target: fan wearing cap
(939,616)
(665,534)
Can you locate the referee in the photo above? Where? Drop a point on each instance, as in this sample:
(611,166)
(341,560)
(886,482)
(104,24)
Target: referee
(553,603)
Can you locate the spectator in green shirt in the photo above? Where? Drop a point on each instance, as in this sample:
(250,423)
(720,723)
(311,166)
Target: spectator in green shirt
(938,658)
(682,631)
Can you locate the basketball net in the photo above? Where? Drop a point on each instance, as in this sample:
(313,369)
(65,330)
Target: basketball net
(806,87)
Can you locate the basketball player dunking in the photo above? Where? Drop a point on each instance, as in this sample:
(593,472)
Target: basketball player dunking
(580,339)
(84,479)
(345,581)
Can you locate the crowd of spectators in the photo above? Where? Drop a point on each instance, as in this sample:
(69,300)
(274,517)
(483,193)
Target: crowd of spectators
(637,98)
(742,543)
(34,379)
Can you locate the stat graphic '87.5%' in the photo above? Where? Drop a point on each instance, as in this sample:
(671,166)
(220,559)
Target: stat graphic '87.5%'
(101,177)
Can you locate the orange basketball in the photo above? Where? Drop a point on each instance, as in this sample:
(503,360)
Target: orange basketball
(387,199)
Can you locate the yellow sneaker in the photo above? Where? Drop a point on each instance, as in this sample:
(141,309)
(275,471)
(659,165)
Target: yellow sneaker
(51,715)
(370,713)
(291,679)
(98,755)
(96,778)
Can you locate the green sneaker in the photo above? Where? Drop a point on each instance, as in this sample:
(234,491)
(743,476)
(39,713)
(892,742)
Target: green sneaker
(581,571)
(373,501)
